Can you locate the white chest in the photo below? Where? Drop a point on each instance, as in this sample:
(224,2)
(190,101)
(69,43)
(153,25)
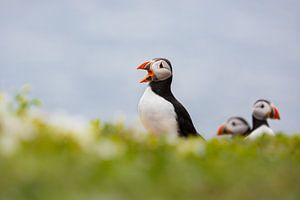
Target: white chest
(260,131)
(157,114)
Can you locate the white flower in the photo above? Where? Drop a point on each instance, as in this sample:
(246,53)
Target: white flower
(13,128)
(109,150)
(8,144)
(191,147)
(77,127)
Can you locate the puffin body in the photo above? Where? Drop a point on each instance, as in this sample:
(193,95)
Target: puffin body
(262,130)
(157,114)
(160,112)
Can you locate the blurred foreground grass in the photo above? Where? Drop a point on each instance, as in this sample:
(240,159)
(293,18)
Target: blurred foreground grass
(55,157)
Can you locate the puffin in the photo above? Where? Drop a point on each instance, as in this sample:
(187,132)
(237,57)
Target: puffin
(159,111)
(262,111)
(235,126)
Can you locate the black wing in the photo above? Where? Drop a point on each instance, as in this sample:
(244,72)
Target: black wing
(186,126)
(185,123)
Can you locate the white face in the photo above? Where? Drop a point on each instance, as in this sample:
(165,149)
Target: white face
(261,110)
(161,69)
(237,126)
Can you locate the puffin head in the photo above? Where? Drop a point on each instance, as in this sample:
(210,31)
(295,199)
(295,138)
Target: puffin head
(159,69)
(234,126)
(264,109)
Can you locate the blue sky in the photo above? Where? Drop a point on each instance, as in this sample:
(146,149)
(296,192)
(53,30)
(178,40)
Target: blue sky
(80,56)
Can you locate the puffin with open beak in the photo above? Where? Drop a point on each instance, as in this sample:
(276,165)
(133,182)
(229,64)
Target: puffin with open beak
(160,112)
(262,111)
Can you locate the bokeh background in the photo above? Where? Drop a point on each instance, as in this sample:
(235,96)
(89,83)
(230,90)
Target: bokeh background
(80,56)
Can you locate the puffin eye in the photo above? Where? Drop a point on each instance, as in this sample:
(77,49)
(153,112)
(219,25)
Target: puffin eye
(161,65)
(262,106)
(233,123)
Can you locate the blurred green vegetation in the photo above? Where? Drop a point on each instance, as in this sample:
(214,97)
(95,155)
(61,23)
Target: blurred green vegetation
(109,161)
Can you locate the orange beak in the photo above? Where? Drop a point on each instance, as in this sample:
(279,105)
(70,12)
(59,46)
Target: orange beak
(150,75)
(144,65)
(275,113)
(221,130)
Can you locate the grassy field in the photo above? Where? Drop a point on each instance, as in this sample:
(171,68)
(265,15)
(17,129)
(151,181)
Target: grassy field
(41,158)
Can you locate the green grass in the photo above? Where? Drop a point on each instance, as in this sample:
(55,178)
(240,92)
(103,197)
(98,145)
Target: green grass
(110,161)
(47,167)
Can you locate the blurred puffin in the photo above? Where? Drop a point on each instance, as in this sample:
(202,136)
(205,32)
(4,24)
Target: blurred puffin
(159,111)
(262,110)
(235,126)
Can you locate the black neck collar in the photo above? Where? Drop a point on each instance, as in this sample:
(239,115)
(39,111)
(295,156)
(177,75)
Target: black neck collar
(256,123)
(162,88)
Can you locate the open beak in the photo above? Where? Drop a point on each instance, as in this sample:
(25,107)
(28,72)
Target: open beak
(150,75)
(274,113)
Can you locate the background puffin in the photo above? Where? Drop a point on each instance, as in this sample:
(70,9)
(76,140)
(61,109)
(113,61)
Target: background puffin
(235,126)
(159,111)
(262,110)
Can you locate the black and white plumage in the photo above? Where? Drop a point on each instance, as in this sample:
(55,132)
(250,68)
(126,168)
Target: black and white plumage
(159,111)
(262,110)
